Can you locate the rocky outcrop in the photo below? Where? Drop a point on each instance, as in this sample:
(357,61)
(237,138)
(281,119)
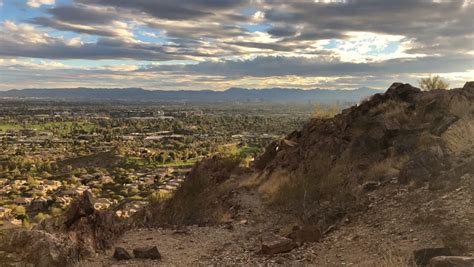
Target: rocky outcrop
(79,209)
(419,133)
(406,138)
(79,233)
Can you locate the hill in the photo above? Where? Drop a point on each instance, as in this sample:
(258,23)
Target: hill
(277,95)
(389,182)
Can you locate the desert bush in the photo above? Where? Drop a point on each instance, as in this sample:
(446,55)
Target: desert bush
(326,111)
(433,82)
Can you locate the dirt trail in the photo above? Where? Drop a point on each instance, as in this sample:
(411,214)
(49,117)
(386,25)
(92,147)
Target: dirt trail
(385,235)
(236,241)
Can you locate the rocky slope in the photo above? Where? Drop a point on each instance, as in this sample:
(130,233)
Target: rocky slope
(80,233)
(389,182)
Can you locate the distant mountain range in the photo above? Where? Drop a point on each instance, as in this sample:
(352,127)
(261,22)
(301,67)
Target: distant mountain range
(272,95)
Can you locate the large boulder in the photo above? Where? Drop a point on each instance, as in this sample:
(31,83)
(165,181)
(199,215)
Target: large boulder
(40,248)
(151,253)
(273,244)
(121,254)
(404,92)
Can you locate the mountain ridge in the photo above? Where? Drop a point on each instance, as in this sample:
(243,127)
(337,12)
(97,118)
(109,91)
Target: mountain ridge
(233,94)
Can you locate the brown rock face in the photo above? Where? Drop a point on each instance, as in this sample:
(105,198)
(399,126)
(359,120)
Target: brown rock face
(82,207)
(273,244)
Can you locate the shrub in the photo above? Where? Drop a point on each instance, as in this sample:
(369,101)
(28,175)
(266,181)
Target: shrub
(325,112)
(433,82)
(40,217)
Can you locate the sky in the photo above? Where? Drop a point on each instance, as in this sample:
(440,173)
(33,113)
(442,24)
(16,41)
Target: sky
(218,44)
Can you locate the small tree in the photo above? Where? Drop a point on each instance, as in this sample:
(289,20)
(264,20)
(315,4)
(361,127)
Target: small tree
(433,82)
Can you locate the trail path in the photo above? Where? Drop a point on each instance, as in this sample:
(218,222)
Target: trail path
(385,235)
(236,242)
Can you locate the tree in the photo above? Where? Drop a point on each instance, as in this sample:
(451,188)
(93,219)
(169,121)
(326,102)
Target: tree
(433,82)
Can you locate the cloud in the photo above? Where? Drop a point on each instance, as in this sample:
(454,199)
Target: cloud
(85,20)
(319,67)
(253,43)
(24,40)
(39,3)
(432,25)
(172,9)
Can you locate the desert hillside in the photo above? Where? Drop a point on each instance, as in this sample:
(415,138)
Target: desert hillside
(389,182)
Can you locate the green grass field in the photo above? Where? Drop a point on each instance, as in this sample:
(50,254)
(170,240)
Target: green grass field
(63,127)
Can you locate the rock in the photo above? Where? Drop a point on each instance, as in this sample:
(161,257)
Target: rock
(289,143)
(370,185)
(424,166)
(183,231)
(469,86)
(82,207)
(403,91)
(121,254)
(443,124)
(274,244)
(38,248)
(147,253)
(423,256)
(305,234)
(451,261)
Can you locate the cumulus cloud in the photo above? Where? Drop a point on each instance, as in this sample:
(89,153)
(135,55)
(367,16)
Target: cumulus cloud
(24,40)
